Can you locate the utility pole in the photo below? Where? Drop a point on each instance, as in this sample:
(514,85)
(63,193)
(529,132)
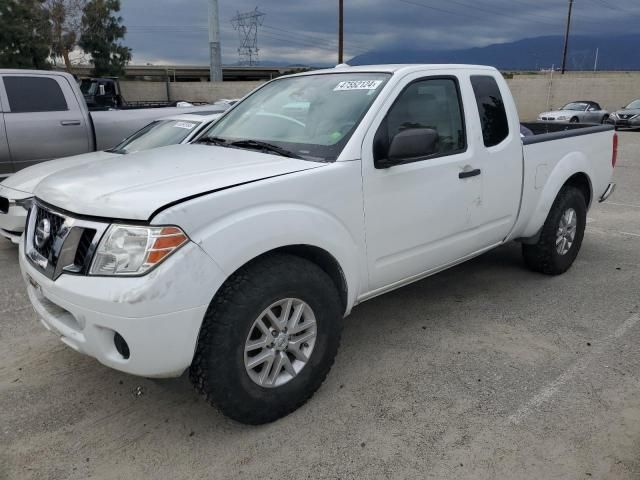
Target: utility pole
(566,39)
(341,31)
(215,56)
(595,64)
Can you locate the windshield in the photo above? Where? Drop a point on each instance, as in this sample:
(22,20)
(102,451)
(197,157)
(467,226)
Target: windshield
(635,105)
(88,87)
(577,106)
(157,134)
(311,116)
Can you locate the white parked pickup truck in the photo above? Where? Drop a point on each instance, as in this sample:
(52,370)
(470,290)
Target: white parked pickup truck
(239,261)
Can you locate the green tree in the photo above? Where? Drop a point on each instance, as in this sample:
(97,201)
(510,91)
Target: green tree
(102,31)
(25,34)
(66,27)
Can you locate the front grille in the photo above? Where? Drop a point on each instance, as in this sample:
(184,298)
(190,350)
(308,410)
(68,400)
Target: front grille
(84,248)
(55,223)
(4,205)
(57,243)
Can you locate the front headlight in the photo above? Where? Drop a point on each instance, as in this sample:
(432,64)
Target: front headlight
(613,115)
(134,250)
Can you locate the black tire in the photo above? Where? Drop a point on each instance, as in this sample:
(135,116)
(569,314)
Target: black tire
(543,256)
(575,120)
(218,369)
(604,119)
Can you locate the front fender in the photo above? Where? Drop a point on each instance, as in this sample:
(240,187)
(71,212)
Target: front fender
(553,181)
(236,238)
(242,236)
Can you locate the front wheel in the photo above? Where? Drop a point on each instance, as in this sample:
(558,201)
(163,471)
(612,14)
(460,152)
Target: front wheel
(561,235)
(269,339)
(575,120)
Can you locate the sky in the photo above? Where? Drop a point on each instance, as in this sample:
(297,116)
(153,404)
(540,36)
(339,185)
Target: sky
(305,31)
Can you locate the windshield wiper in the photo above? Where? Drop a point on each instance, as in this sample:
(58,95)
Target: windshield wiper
(258,145)
(220,142)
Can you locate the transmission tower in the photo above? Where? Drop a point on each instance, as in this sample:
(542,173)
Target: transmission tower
(247,26)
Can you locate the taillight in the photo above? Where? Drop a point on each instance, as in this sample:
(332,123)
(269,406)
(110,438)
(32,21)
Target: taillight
(614,154)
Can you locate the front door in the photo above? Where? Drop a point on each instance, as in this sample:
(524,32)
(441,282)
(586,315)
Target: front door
(420,215)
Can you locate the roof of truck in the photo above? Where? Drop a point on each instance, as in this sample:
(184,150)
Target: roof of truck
(393,68)
(5,71)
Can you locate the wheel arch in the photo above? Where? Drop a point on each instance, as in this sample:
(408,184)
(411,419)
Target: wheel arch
(573,170)
(582,182)
(327,262)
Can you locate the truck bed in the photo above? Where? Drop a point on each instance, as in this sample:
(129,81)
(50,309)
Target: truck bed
(547,131)
(551,152)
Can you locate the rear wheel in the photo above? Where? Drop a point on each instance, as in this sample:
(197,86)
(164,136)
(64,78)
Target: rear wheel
(269,339)
(604,119)
(561,236)
(575,120)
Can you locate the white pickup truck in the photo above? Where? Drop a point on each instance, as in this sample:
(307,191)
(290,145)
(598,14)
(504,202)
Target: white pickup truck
(315,193)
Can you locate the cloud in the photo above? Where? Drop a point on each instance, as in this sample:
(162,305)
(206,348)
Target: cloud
(300,31)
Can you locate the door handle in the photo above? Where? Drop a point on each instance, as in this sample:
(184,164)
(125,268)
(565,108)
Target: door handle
(469,173)
(69,123)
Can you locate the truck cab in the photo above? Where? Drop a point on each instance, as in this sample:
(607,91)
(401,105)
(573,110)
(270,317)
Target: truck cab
(102,93)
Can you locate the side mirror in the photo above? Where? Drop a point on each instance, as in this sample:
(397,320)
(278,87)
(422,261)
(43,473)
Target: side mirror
(410,144)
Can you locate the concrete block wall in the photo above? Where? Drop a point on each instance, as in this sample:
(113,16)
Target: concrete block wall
(539,92)
(533,93)
(191,91)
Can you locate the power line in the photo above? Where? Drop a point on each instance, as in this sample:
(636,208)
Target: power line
(467,6)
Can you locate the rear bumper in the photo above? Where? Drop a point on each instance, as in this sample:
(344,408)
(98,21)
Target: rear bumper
(607,193)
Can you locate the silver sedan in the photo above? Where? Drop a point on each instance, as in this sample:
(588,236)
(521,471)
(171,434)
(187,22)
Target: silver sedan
(582,111)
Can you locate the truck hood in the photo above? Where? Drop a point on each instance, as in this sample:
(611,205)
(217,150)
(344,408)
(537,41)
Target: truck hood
(25,180)
(134,186)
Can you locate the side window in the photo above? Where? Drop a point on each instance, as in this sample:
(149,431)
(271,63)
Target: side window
(34,94)
(432,103)
(493,116)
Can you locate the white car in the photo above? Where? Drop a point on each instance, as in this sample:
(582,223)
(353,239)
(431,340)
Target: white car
(18,189)
(238,256)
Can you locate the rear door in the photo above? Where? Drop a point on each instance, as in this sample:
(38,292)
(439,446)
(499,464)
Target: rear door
(43,119)
(498,156)
(5,158)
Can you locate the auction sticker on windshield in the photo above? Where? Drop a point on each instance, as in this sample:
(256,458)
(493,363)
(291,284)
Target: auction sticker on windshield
(186,125)
(358,85)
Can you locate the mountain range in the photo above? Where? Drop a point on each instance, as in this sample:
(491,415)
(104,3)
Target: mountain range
(615,52)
